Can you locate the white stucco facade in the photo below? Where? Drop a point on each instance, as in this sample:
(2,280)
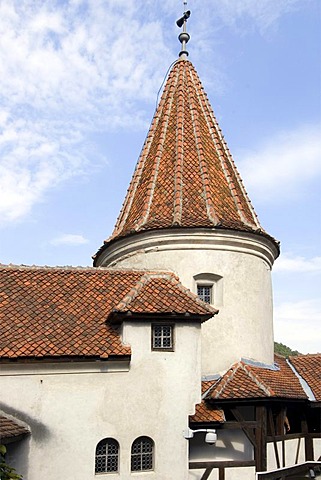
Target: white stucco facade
(237,264)
(71,407)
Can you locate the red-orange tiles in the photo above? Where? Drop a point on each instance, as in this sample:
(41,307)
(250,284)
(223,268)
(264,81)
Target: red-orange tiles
(309,367)
(10,429)
(245,380)
(64,312)
(162,294)
(206,413)
(185,176)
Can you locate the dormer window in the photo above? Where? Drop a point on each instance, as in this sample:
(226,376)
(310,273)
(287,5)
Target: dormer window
(162,337)
(205,293)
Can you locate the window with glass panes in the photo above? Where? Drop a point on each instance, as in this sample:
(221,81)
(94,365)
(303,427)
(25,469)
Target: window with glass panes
(204,292)
(106,459)
(142,454)
(162,337)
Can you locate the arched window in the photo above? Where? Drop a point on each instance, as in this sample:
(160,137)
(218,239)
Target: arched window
(107,453)
(209,288)
(142,454)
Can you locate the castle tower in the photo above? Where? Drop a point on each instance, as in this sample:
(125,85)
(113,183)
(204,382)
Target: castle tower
(186,210)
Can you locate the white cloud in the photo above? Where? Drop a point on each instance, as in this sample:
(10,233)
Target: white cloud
(67,69)
(69,239)
(284,165)
(297,325)
(288,263)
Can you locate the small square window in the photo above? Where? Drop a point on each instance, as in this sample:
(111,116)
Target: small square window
(162,337)
(204,292)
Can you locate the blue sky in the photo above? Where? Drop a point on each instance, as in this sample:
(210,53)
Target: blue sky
(78,88)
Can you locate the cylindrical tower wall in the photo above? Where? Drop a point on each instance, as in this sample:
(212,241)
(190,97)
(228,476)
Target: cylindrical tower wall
(237,266)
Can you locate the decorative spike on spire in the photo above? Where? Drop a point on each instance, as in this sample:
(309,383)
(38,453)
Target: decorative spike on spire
(183,37)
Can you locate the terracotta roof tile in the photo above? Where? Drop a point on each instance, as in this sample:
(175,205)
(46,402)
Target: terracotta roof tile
(204,413)
(147,296)
(63,312)
(309,367)
(185,176)
(11,428)
(245,380)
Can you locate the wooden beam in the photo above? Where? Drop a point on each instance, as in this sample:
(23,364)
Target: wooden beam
(222,464)
(221,474)
(207,473)
(308,444)
(288,472)
(244,425)
(236,425)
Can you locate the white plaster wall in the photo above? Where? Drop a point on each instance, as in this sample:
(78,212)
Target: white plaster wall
(244,325)
(294,452)
(317,448)
(69,412)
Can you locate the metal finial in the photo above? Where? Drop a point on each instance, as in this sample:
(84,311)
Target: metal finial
(183,37)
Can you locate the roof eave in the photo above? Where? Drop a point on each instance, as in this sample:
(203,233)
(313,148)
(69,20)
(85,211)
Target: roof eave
(112,240)
(117,317)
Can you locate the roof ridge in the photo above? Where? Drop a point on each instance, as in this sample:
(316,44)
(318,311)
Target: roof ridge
(204,100)
(12,266)
(124,212)
(226,378)
(152,181)
(146,278)
(212,387)
(202,164)
(186,291)
(179,164)
(266,389)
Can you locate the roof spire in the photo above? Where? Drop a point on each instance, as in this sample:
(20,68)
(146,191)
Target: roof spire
(183,37)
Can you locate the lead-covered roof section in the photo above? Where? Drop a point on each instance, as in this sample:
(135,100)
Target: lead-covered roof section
(185,176)
(64,312)
(309,368)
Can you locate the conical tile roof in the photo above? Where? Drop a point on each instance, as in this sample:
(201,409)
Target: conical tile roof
(185,175)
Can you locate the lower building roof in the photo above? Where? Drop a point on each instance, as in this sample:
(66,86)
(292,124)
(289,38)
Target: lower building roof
(65,312)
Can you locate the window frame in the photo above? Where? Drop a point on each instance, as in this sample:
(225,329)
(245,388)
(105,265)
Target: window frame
(162,348)
(211,291)
(107,456)
(212,280)
(141,454)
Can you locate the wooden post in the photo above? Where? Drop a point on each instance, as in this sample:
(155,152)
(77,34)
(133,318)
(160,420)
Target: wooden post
(308,440)
(272,428)
(260,434)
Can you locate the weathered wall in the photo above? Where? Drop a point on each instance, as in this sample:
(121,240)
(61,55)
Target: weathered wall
(70,408)
(244,325)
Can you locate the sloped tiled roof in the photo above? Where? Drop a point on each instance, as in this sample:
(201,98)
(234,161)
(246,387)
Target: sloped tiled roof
(11,428)
(147,296)
(309,367)
(205,414)
(185,176)
(63,312)
(245,381)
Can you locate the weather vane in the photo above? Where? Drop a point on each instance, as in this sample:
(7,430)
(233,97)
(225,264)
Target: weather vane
(183,37)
